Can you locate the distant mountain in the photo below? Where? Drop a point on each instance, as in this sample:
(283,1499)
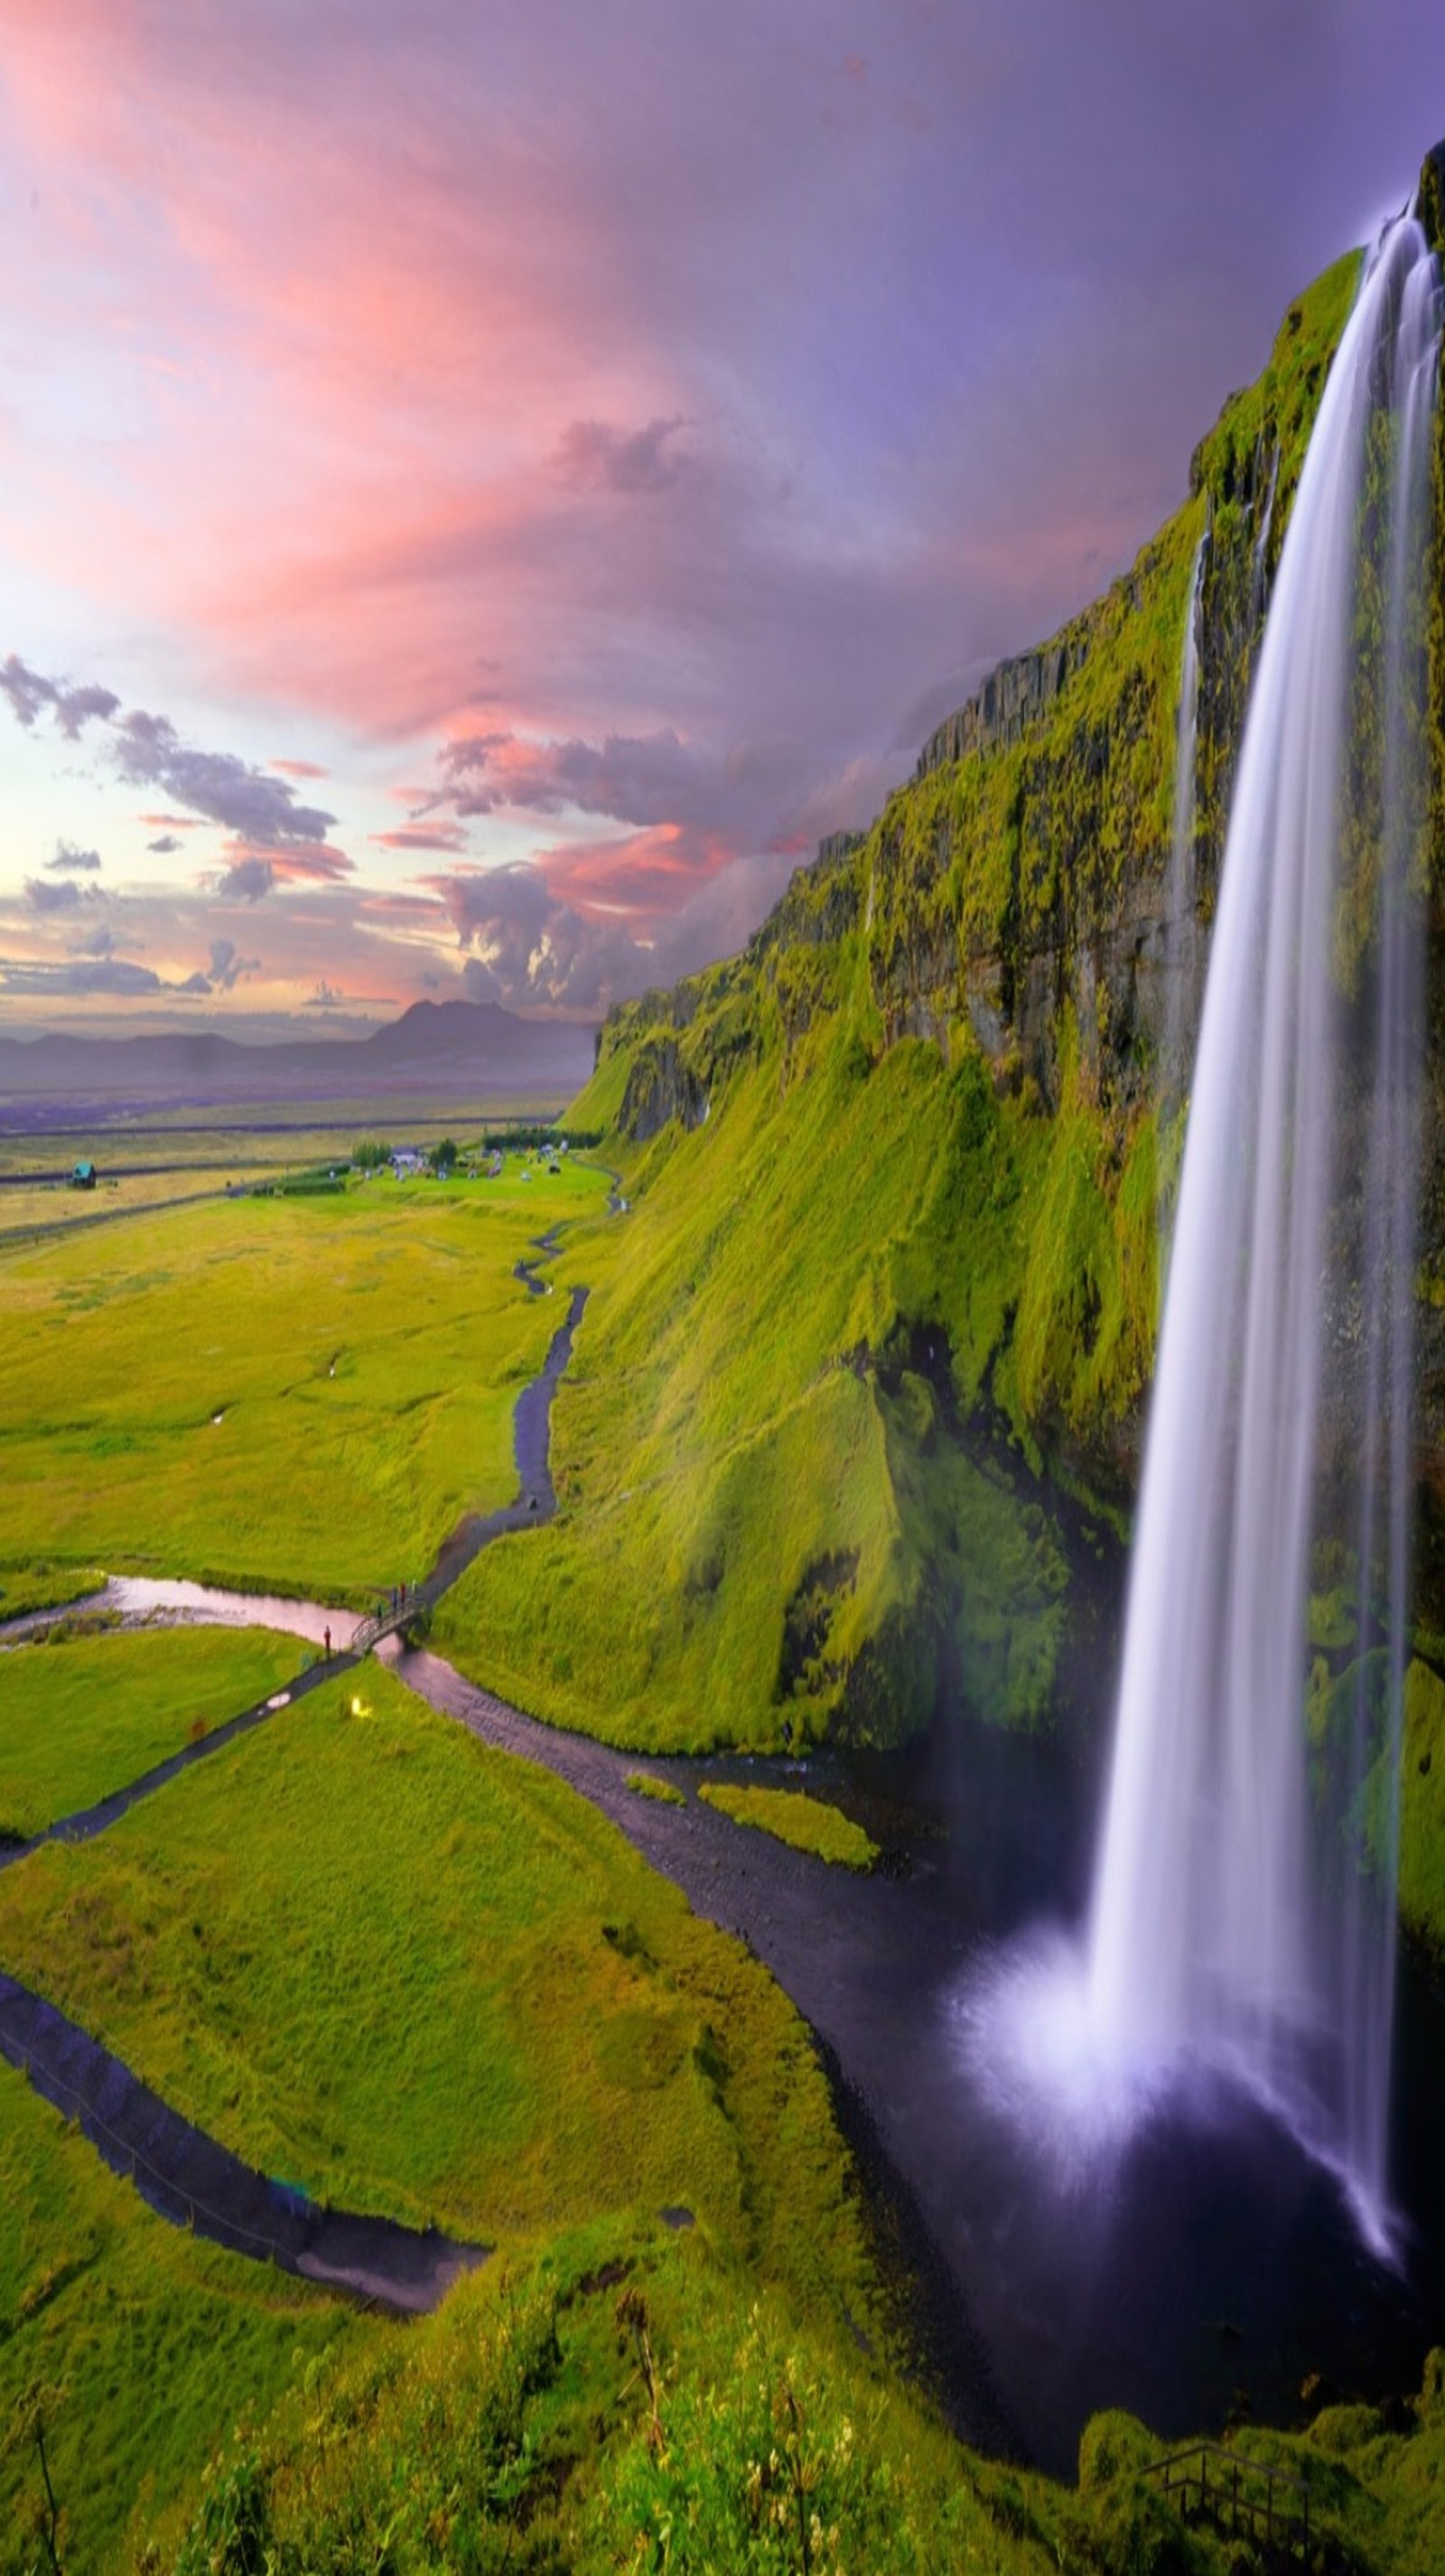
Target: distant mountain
(454,1050)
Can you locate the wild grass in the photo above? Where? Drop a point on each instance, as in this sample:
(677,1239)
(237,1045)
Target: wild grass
(147,2340)
(425,1979)
(809,1824)
(646,1784)
(26,1588)
(82,1716)
(53,1207)
(617,2400)
(300,1395)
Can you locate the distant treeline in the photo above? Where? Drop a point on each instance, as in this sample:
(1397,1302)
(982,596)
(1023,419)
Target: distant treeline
(498,1140)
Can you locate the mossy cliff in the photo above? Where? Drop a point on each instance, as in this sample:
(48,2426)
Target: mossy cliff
(856,1413)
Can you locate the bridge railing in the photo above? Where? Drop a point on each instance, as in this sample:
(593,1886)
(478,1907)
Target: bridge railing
(1265,2505)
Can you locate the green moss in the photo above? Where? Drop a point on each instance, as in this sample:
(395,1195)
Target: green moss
(809,1824)
(1422,1808)
(777,1506)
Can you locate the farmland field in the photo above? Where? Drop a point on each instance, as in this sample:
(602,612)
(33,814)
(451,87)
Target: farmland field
(295,1394)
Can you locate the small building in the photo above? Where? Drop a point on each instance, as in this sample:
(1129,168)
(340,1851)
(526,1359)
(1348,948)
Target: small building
(83,1177)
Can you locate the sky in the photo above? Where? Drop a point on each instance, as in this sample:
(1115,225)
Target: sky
(484,487)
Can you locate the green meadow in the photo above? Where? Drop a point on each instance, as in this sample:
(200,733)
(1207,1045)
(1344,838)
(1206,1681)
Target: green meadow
(80,1715)
(295,1394)
(426,1979)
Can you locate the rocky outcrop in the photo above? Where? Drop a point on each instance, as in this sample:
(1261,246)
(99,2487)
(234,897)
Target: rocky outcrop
(660,1086)
(1010,700)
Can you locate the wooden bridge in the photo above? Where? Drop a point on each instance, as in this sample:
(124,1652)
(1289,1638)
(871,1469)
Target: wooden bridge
(1240,2496)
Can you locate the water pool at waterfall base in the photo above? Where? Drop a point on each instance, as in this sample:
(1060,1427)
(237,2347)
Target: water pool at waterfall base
(1079,2096)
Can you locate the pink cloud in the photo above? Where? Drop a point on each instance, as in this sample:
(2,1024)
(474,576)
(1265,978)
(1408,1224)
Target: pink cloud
(642,878)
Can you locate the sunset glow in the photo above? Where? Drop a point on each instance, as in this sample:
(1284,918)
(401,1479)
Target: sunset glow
(481,494)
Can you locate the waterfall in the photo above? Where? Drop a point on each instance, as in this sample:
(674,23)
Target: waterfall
(1259,570)
(1180,924)
(1242,1915)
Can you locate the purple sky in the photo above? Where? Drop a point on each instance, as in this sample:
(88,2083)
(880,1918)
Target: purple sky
(483,488)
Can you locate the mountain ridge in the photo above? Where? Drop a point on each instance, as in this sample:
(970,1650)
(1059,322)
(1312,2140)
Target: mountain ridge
(455,1044)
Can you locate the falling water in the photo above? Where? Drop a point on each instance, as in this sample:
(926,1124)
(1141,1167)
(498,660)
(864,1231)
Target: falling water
(1180,924)
(1259,570)
(1232,1924)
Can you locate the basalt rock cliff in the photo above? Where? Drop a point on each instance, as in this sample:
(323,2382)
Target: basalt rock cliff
(870,1393)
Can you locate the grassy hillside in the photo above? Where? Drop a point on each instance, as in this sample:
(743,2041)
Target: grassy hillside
(614,2401)
(892,1268)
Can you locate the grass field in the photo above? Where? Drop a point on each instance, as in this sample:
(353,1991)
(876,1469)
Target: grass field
(148,2340)
(51,1207)
(300,1395)
(78,1719)
(425,1979)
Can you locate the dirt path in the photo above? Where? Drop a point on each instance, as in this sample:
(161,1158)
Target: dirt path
(191,2180)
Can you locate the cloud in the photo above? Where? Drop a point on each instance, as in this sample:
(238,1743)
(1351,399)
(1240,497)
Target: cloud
(248,802)
(596,456)
(78,978)
(166,845)
(255,805)
(81,862)
(636,778)
(295,863)
(438,836)
(298,768)
(228,966)
(196,984)
(248,880)
(31,694)
(63,897)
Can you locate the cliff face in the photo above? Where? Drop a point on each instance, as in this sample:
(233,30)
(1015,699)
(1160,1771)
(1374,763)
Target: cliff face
(878,1360)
